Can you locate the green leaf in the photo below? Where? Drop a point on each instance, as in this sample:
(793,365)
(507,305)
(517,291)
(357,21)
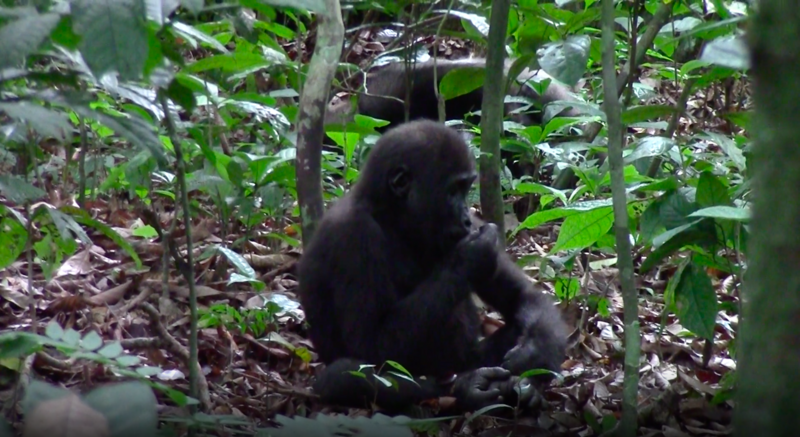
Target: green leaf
(23,36)
(131,127)
(54,330)
(636,114)
(461,81)
(189,33)
(83,218)
(675,239)
(566,60)
(128,360)
(71,337)
(43,120)
(239,262)
(729,147)
(18,344)
(91,341)
(723,212)
(194,6)
(18,190)
(67,227)
(383,380)
(399,367)
(13,237)
(182,95)
(317,6)
(646,147)
(228,63)
(114,36)
(148,370)
(582,230)
(696,302)
(675,208)
(711,191)
(111,350)
(145,231)
(727,51)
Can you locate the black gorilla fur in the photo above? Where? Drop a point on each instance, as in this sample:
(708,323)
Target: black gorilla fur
(391,81)
(389,273)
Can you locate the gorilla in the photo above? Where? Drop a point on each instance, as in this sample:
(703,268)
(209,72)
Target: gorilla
(389,273)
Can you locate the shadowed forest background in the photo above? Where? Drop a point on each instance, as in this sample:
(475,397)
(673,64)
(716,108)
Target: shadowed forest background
(153,211)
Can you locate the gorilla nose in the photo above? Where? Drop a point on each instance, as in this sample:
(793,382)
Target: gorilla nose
(467,222)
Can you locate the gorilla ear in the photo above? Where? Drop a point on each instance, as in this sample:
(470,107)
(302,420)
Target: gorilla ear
(400,181)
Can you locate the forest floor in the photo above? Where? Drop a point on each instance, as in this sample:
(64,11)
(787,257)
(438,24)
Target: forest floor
(258,366)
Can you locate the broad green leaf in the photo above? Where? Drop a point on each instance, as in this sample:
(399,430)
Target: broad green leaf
(114,37)
(13,237)
(582,230)
(478,21)
(91,341)
(461,81)
(646,147)
(43,120)
(636,114)
(228,63)
(190,33)
(111,350)
(675,207)
(67,227)
(383,380)
(131,127)
(711,191)
(399,367)
(542,217)
(128,360)
(54,330)
(566,60)
(239,262)
(729,147)
(71,337)
(194,6)
(727,51)
(83,218)
(181,95)
(723,212)
(696,302)
(317,6)
(21,37)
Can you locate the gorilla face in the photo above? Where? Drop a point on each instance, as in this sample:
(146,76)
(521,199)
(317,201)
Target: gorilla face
(417,182)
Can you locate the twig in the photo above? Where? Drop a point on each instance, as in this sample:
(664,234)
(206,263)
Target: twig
(174,346)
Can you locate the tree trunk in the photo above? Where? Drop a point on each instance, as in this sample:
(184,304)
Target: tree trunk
(768,396)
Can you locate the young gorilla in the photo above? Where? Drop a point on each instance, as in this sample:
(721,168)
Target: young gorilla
(388,276)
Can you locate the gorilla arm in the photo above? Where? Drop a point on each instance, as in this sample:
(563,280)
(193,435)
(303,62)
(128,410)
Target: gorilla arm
(535,336)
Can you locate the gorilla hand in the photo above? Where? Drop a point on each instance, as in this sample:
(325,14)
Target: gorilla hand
(481,387)
(522,393)
(522,357)
(476,254)
(494,385)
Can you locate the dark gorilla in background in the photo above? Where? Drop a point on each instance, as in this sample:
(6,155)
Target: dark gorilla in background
(388,276)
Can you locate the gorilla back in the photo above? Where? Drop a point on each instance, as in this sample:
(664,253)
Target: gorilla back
(392,81)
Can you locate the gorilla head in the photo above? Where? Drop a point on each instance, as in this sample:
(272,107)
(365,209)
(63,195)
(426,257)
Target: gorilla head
(419,178)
